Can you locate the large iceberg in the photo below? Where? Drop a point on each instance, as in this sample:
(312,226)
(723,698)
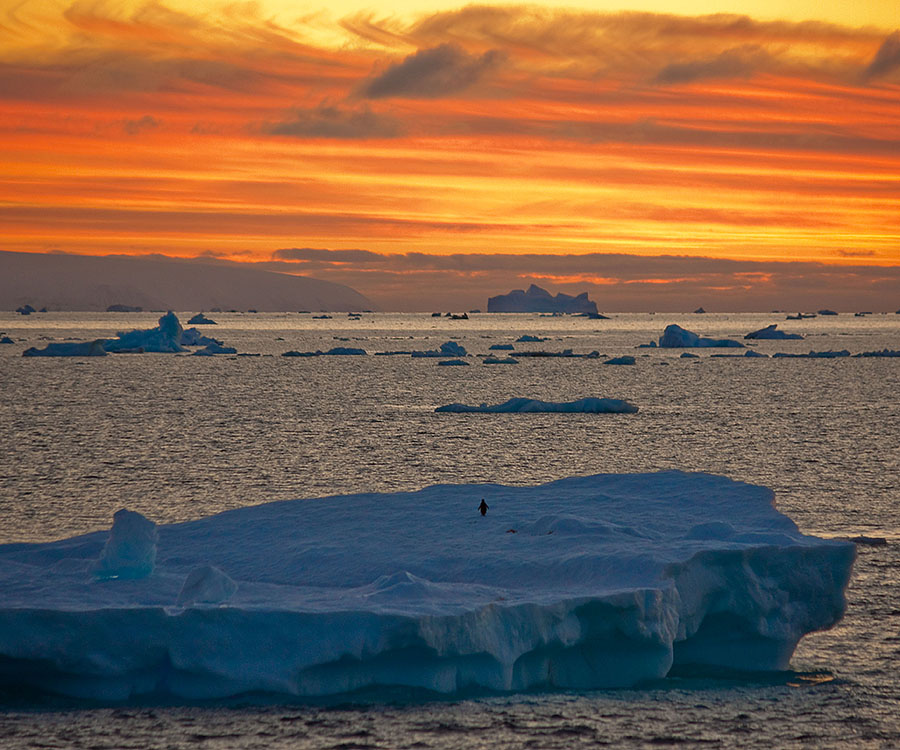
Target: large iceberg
(586,582)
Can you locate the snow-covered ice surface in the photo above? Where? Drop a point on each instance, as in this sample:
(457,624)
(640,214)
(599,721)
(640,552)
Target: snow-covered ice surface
(586,582)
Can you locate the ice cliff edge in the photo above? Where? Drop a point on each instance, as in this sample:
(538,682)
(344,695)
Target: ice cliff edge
(586,582)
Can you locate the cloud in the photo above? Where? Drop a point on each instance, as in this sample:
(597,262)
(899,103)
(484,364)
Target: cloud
(328,121)
(887,58)
(732,63)
(147,122)
(432,73)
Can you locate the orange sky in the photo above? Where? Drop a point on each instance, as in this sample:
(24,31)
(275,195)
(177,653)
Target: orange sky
(487,129)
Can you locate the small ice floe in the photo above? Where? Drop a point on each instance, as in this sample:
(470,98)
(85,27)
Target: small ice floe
(501,347)
(492,360)
(772,332)
(214,348)
(812,355)
(624,360)
(453,363)
(531,405)
(69,349)
(193,337)
(676,337)
(882,353)
(448,349)
(528,338)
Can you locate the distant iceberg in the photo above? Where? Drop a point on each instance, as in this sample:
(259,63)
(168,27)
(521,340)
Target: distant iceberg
(610,581)
(201,320)
(626,359)
(772,332)
(537,299)
(492,360)
(532,405)
(676,337)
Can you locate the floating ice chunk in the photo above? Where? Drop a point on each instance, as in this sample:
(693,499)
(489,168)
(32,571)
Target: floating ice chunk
(193,337)
(675,337)
(772,332)
(813,355)
(453,363)
(201,320)
(166,337)
(68,349)
(346,350)
(882,353)
(501,347)
(624,360)
(530,405)
(448,349)
(689,355)
(215,348)
(528,338)
(6,340)
(750,353)
(130,550)
(491,360)
(205,585)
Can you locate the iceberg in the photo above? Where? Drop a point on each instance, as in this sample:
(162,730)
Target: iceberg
(537,299)
(501,347)
(676,337)
(6,340)
(609,581)
(201,320)
(623,360)
(772,332)
(166,337)
(453,363)
(532,405)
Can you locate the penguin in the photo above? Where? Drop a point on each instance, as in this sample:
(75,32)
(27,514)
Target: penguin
(483,507)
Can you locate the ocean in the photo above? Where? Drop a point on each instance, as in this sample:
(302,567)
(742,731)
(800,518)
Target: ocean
(178,438)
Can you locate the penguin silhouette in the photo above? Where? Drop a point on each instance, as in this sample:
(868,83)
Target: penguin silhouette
(483,507)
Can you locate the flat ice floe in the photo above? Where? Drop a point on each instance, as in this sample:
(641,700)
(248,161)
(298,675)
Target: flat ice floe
(587,582)
(533,405)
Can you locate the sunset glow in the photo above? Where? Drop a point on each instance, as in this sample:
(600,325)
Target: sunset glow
(244,130)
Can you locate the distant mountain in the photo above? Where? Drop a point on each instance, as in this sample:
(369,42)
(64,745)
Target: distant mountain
(80,282)
(540,300)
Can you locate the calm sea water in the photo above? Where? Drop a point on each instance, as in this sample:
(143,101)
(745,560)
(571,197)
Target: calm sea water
(178,438)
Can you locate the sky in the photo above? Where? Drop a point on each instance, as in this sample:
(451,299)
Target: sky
(658,155)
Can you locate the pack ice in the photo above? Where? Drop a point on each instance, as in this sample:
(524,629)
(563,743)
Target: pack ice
(587,582)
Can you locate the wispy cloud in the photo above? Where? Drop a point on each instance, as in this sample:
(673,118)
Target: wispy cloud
(328,121)
(444,70)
